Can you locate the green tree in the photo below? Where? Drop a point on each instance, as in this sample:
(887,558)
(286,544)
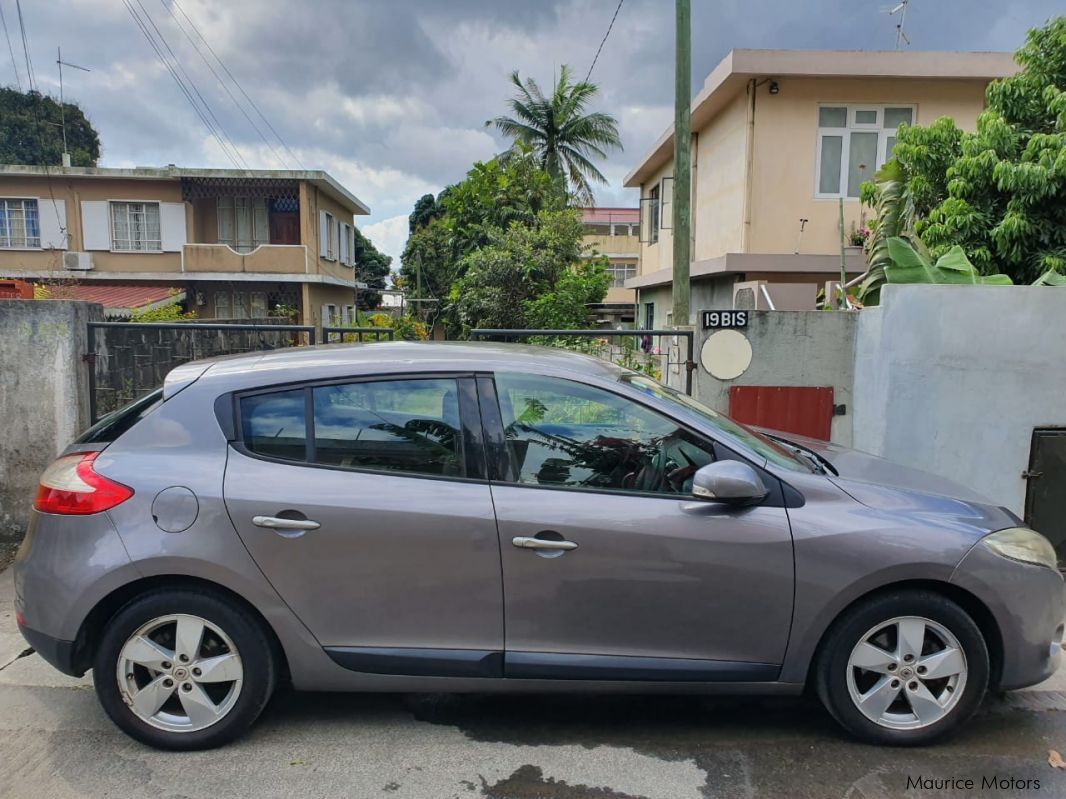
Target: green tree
(564,138)
(33,135)
(530,276)
(1000,192)
(465,216)
(372,268)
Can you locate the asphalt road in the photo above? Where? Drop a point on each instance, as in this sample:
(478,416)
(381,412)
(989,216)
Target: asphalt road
(55,742)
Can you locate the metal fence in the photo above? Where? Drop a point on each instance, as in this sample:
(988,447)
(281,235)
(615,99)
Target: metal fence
(656,353)
(356,334)
(127,360)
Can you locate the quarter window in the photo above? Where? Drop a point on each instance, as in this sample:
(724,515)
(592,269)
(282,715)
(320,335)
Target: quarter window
(19,224)
(135,227)
(409,426)
(853,143)
(566,434)
(275,425)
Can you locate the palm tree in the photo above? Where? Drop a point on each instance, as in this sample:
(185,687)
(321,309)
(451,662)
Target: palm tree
(558,131)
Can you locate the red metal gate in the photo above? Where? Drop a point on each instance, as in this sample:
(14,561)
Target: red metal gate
(803,410)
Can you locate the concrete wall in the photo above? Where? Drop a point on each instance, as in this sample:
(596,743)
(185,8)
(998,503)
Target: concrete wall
(44,400)
(953,379)
(720,180)
(792,348)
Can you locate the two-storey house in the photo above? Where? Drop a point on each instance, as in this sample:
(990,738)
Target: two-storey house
(229,244)
(614,232)
(778,138)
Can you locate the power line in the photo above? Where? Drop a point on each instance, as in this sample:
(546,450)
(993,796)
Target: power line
(192,84)
(25,48)
(236,83)
(222,83)
(604,40)
(177,79)
(10,49)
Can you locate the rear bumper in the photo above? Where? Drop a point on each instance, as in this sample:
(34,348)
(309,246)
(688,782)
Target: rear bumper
(55,651)
(1028,604)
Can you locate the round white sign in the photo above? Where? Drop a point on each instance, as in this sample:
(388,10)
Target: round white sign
(726,354)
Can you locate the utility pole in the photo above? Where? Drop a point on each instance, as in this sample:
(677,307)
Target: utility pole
(682,162)
(62,112)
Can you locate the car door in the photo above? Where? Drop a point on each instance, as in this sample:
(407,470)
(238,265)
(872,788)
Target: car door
(648,583)
(365,504)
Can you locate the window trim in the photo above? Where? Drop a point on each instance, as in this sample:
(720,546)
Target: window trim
(111,226)
(40,236)
(505,471)
(471,434)
(850,126)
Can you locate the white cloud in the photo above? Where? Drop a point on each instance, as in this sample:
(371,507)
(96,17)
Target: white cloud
(389,236)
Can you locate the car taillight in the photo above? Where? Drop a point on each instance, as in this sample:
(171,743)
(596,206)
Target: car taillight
(71,486)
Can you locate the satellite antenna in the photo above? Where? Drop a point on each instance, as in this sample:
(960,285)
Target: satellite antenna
(901,37)
(62,110)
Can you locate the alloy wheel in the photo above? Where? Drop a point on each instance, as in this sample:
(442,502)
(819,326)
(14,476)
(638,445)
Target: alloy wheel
(180,673)
(907,673)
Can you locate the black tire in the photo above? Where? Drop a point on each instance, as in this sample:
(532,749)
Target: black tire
(260,672)
(831,667)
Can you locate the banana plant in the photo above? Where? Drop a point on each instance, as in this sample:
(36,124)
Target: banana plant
(908,265)
(895,217)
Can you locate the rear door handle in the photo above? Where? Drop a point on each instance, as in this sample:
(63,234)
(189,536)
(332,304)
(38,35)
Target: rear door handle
(277,523)
(523,542)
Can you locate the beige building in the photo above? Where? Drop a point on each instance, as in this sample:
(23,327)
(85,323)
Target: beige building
(614,232)
(778,137)
(231,244)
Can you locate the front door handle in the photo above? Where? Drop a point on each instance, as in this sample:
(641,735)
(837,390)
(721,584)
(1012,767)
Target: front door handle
(523,542)
(277,523)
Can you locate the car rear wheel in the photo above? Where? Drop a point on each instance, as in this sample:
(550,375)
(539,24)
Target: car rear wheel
(903,669)
(184,669)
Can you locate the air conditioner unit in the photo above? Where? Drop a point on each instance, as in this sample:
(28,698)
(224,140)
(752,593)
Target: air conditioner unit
(78,261)
(760,295)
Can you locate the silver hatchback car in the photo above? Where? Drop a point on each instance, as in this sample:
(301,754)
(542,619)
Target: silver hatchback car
(476,518)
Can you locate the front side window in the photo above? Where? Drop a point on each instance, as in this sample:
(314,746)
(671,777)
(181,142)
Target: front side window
(620,273)
(561,433)
(653,211)
(135,227)
(409,426)
(853,143)
(20,226)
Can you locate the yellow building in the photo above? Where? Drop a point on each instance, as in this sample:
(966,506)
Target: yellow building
(778,137)
(614,232)
(232,244)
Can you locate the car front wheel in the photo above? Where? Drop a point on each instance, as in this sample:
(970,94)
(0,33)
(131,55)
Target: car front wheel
(184,669)
(903,669)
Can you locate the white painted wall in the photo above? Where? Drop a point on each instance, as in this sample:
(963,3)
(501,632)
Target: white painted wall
(953,380)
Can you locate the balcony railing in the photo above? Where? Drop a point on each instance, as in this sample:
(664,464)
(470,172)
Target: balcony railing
(270,258)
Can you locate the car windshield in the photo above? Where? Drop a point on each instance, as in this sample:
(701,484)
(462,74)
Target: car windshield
(756,442)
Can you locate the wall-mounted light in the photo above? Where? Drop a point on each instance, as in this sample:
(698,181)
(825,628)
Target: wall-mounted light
(774,88)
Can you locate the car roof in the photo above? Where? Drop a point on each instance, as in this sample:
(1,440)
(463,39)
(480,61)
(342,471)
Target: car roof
(293,364)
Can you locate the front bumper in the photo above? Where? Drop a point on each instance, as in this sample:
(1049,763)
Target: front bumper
(1028,604)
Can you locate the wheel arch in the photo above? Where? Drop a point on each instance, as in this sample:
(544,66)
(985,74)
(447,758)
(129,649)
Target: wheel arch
(970,603)
(109,605)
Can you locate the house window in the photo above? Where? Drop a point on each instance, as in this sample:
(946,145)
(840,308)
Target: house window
(649,316)
(257,301)
(223,305)
(19,224)
(331,238)
(243,222)
(135,227)
(853,143)
(653,213)
(620,273)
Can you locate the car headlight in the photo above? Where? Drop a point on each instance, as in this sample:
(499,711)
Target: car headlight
(1022,544)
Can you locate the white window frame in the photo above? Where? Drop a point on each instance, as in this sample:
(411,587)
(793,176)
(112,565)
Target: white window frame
(151,245)
(626,271)
(27,246)
(331,237)
(851,126)
(228,205)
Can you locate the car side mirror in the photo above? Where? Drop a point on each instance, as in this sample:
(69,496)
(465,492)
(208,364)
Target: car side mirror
(732,482)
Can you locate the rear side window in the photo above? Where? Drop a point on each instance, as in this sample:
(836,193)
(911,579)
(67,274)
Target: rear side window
(118,422)
(275,425)
(407,426)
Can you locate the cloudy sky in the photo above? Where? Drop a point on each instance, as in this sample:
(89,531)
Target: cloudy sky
(391,96)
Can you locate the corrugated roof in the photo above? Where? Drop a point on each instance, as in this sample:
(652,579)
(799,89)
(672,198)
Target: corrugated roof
(123,297)
(605,216)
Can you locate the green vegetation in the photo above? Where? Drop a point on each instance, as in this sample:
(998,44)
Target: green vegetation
(997,195)
(170,312)
(33,134)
